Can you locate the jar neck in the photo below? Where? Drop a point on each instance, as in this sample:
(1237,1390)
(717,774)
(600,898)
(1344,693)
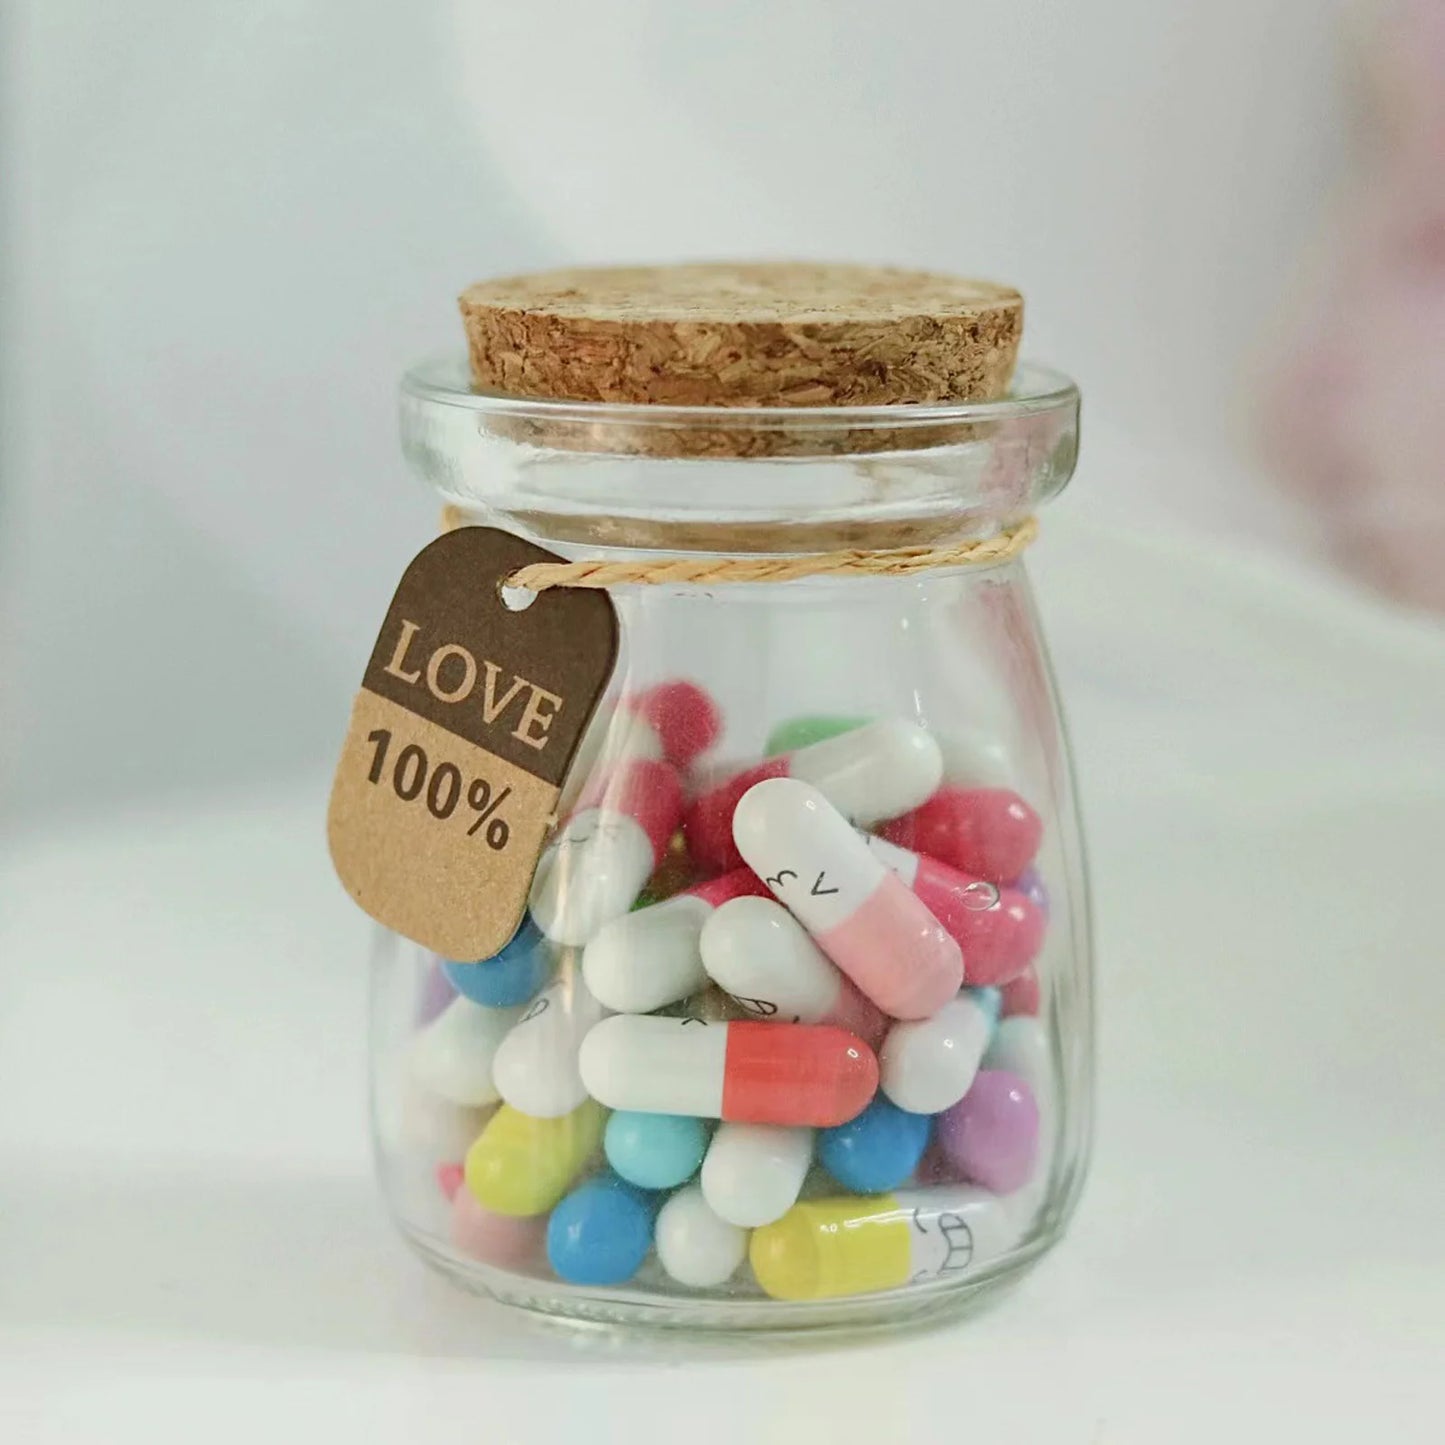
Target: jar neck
(579,478)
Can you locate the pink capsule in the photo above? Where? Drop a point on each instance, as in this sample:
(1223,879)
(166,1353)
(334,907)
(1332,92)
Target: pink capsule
(988,832)
(999,930)
(869,773)
(1020,995)
(449,1179)
(607,851)
(859,913)
(502,1240)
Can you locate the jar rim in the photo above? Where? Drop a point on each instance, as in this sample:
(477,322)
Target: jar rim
(443,381)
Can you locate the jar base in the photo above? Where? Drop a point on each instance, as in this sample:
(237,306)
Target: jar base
(918,1306)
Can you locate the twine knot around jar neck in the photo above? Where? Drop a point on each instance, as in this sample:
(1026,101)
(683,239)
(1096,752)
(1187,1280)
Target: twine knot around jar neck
(992,551)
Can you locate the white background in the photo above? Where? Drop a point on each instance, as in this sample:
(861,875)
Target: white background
(227,229)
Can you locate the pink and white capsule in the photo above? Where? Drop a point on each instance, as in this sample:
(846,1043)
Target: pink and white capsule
(859,913)
(755,950)
(927,1066)
(869,773)
(606,852)
(535,1068)
(650,958)
(999,929)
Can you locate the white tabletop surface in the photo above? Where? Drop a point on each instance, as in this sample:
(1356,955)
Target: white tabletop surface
(191,1247)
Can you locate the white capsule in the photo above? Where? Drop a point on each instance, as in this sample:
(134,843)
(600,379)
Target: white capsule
(535,1068)
(694,1246)
(971,760)
(873,772)
(453,1055)
(614,736)
(760,954)
(656,1066)
(434,1130)
(648,958)
(927,1066)
(630,738)
(902,861)
(593,873)
(752,1173)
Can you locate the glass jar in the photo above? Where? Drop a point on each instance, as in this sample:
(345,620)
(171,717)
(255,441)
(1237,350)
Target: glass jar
(890,1144)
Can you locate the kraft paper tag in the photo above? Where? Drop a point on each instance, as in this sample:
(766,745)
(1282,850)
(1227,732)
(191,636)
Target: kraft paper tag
(461,736)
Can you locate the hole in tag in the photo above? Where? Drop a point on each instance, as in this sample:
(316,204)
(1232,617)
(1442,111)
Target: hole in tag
(516,599)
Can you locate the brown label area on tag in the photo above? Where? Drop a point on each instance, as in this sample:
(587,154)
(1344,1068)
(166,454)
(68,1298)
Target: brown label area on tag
(463,731)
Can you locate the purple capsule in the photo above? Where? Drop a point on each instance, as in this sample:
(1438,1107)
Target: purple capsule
(991,1135)
(434,993)
(1031,885)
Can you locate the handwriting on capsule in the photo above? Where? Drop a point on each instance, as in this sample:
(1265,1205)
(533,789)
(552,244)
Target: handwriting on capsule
(759,1007)
(776,881)
(957,1241)
(589,825)
(818,891)
(539,1007)
(955,1229)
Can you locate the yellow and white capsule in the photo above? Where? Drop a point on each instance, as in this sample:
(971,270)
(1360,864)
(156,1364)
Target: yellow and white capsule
(827,1248)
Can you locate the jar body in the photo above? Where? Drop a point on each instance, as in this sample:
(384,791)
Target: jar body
(724,1076)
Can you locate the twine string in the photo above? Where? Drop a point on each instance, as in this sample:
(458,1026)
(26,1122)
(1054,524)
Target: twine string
(1002,547)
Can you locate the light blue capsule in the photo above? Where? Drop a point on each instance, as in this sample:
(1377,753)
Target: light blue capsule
(510,977)
(990,1000)
(654,1151)
(601,1232)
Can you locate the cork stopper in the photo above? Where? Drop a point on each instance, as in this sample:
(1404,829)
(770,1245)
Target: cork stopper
(762,334)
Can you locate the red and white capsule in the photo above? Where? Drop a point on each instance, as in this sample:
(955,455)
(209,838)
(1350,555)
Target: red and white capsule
(988,832)
(651,957)
(859,912)
(869,773)
(675,720)
(751,1073)
(606,852)
(1000,930)
(762,956)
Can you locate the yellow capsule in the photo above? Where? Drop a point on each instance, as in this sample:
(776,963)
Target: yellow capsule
(824,1248)
(828,1247)
(522,1165)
